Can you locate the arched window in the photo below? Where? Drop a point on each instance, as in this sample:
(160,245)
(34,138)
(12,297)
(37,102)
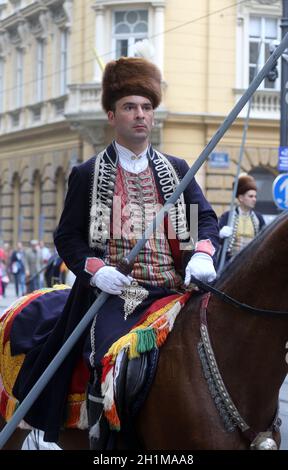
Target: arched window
(265,204)
(60,193)
(129,27)
(17,228)
(36,205)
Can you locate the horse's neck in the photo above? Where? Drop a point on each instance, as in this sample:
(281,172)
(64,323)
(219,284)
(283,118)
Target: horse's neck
(249,348)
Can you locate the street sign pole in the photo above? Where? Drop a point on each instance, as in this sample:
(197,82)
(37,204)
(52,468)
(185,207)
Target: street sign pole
(284,81)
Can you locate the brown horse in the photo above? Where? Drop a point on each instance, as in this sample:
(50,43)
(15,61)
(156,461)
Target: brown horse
(181,412)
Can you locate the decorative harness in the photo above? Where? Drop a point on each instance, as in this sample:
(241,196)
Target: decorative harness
(223,401)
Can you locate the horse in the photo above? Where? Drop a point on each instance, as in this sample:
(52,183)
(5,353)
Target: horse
(219,372)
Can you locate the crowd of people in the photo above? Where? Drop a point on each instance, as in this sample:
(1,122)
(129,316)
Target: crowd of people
(29,268)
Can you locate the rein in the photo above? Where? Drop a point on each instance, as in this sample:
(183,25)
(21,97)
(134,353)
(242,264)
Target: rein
(236,303)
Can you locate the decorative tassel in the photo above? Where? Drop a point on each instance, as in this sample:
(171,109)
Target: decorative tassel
(94,431)
(146,340)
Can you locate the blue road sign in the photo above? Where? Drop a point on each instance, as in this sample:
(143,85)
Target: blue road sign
(283,159)
(280,191)
(219,160)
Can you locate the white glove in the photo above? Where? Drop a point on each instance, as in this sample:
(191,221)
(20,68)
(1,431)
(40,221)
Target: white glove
(226,231)
(200,266)
(110,280)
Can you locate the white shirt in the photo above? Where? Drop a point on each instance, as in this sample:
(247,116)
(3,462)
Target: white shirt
(131,162)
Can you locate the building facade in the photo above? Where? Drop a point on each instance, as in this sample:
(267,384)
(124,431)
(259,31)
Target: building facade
(51,55)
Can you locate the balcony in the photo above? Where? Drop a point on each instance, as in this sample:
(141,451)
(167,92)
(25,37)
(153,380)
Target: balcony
(265,104)
(84,102)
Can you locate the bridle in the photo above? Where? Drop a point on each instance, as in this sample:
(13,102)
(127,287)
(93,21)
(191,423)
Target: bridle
(230,300)
(223,401)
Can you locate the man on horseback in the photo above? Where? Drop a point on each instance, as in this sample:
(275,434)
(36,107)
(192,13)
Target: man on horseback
(246,222)
(111,199)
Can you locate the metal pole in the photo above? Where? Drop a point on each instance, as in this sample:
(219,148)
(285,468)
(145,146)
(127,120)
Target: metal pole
(284,81)
(241,153)
(87,319)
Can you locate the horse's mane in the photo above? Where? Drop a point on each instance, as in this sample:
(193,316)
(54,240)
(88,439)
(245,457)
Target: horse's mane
(250,251)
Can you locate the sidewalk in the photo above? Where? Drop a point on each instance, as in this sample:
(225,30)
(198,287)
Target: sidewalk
(9,299)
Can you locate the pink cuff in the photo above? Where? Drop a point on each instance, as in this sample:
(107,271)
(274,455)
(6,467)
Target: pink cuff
(92,265)
(205,246)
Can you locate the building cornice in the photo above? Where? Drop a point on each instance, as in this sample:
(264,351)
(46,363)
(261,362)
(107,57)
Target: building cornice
(215,119)
(61,11)
(34,133)
(112,3)
(35,18)
(269,7)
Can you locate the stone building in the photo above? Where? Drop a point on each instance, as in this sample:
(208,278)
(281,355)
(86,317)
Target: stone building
(50,112)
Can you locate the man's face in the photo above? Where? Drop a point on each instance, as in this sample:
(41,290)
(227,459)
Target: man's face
(248,199)
(132,120)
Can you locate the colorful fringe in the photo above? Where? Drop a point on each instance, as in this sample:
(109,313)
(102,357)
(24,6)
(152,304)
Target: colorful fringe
(151,333)
(76,416)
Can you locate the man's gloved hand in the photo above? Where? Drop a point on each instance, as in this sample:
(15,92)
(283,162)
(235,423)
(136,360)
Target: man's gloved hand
(109,280)
(200,266)
(226,231)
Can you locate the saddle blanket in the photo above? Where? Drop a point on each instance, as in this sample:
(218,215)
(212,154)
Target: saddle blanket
(150,332)
(10,365)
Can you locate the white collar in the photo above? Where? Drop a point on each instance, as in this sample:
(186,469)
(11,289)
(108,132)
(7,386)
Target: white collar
(131,162)
(241,212)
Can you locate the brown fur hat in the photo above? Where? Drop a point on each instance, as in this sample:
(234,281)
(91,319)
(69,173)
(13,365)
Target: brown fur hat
(245,183)
(130,76)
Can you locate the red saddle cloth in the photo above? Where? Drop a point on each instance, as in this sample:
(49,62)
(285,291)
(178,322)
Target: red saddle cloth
(10,365)
(149,333)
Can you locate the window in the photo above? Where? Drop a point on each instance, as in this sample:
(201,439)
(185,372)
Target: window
(40,65)
(1,85)
(19,79)
(63,61)
(37,204)
(129,26)
(262,31)
(3,4)
(17,4)
(16,209)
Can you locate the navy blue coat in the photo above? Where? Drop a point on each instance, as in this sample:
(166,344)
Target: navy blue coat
(71,240)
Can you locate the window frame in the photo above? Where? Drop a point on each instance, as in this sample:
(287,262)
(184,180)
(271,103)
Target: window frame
(131,39)
(264,41)
(40,70)
(19,77)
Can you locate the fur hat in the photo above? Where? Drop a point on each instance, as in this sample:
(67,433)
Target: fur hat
(130,76)
(245,183)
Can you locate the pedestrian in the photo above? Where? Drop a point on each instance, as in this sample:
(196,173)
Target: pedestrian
(17,268)
(33,266)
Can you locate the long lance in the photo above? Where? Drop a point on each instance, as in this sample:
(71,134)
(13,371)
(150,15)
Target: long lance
(37,388)
(235,186)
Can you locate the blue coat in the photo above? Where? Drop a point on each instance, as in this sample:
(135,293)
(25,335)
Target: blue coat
(72,242)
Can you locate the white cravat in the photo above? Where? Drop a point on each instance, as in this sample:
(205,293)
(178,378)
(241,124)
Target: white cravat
(131,162)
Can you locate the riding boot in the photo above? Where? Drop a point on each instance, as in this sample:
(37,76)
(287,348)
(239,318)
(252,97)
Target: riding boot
(98,426)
